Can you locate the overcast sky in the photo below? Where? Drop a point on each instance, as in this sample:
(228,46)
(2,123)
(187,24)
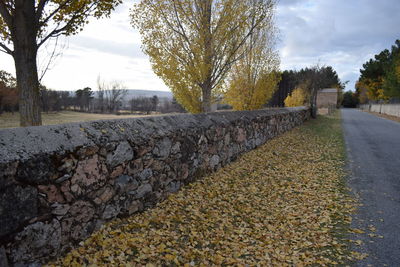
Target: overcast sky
(340,33)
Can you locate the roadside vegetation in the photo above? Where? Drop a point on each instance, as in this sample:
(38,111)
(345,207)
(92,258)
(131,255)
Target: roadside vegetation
(282,204)
(380,77)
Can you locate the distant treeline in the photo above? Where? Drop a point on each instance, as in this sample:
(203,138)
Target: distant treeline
(112,98)
(319,77)
(107,99)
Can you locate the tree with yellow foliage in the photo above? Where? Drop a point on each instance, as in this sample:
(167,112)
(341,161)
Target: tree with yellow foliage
(297,98)
(192,44)
(361,92)
(254,77)
(373,89)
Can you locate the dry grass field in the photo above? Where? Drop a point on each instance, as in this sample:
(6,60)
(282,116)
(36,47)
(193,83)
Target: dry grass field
(8,120)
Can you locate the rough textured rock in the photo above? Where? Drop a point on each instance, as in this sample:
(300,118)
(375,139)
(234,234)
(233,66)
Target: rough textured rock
(52,193)
(82,211)
(143,190)
(3,257)
(18,204)
(59,183)
(146,174)
(90,175)
(60,209)
(35,241)
(134,207)
(103,195)
(214,161)
(163,148)
(125,183)
(36,170)
(122,153)
(111,211)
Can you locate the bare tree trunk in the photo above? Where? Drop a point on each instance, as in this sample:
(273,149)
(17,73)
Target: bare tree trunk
(25,53)
(314,108)
(313,102)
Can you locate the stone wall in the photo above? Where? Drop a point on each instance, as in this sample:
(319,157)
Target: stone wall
(388,109)
(60,183)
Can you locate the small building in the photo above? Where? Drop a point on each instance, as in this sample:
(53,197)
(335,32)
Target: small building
(327,100)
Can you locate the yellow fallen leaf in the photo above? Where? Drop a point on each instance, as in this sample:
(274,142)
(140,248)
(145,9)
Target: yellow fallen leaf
(357,231)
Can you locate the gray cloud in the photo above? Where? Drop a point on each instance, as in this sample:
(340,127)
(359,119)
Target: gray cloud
(290,2)
(129,50)
(340,33)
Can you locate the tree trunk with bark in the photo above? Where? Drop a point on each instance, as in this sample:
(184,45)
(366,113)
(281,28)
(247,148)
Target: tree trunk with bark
(314,103)
(206,86)
(206,101)
(25,53)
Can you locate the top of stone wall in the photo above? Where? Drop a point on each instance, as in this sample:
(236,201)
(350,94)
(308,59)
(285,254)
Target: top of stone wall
(25,143)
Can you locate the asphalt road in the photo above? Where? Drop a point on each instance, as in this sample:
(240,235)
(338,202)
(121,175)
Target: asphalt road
(373,150)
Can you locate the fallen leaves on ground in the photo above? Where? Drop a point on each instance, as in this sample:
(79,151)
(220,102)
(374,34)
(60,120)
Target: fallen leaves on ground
(385,116)
(282,204)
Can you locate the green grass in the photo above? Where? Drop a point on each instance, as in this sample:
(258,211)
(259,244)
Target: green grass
(9,120)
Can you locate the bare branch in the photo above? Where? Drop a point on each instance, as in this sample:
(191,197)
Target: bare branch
(6,49)
(58,31)
(52,58)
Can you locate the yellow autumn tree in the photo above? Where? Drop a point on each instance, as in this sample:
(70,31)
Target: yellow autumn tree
(192,44)
(254,78)
(375,89)
(361,91)
(297,98)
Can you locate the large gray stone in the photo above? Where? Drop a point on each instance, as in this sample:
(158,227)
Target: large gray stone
(176,148)
(143,190)
(17,205)
(122,153)
(111,211)
(173,186)
(3,257)
(37,241)
(163,148)
(36,170)
(146,174)
(214,161)
(125,183)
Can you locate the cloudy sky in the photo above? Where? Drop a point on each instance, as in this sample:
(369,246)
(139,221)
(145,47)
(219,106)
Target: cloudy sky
(340,33)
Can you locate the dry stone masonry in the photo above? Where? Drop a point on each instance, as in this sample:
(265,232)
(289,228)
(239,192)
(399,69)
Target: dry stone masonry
(60,183)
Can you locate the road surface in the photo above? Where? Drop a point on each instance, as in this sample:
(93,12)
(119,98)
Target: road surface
(373,150)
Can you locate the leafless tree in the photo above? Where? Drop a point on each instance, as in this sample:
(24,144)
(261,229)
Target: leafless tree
(114,95)
(110,95)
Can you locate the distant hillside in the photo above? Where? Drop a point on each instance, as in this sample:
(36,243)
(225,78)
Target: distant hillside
(147,93)
(133,93)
